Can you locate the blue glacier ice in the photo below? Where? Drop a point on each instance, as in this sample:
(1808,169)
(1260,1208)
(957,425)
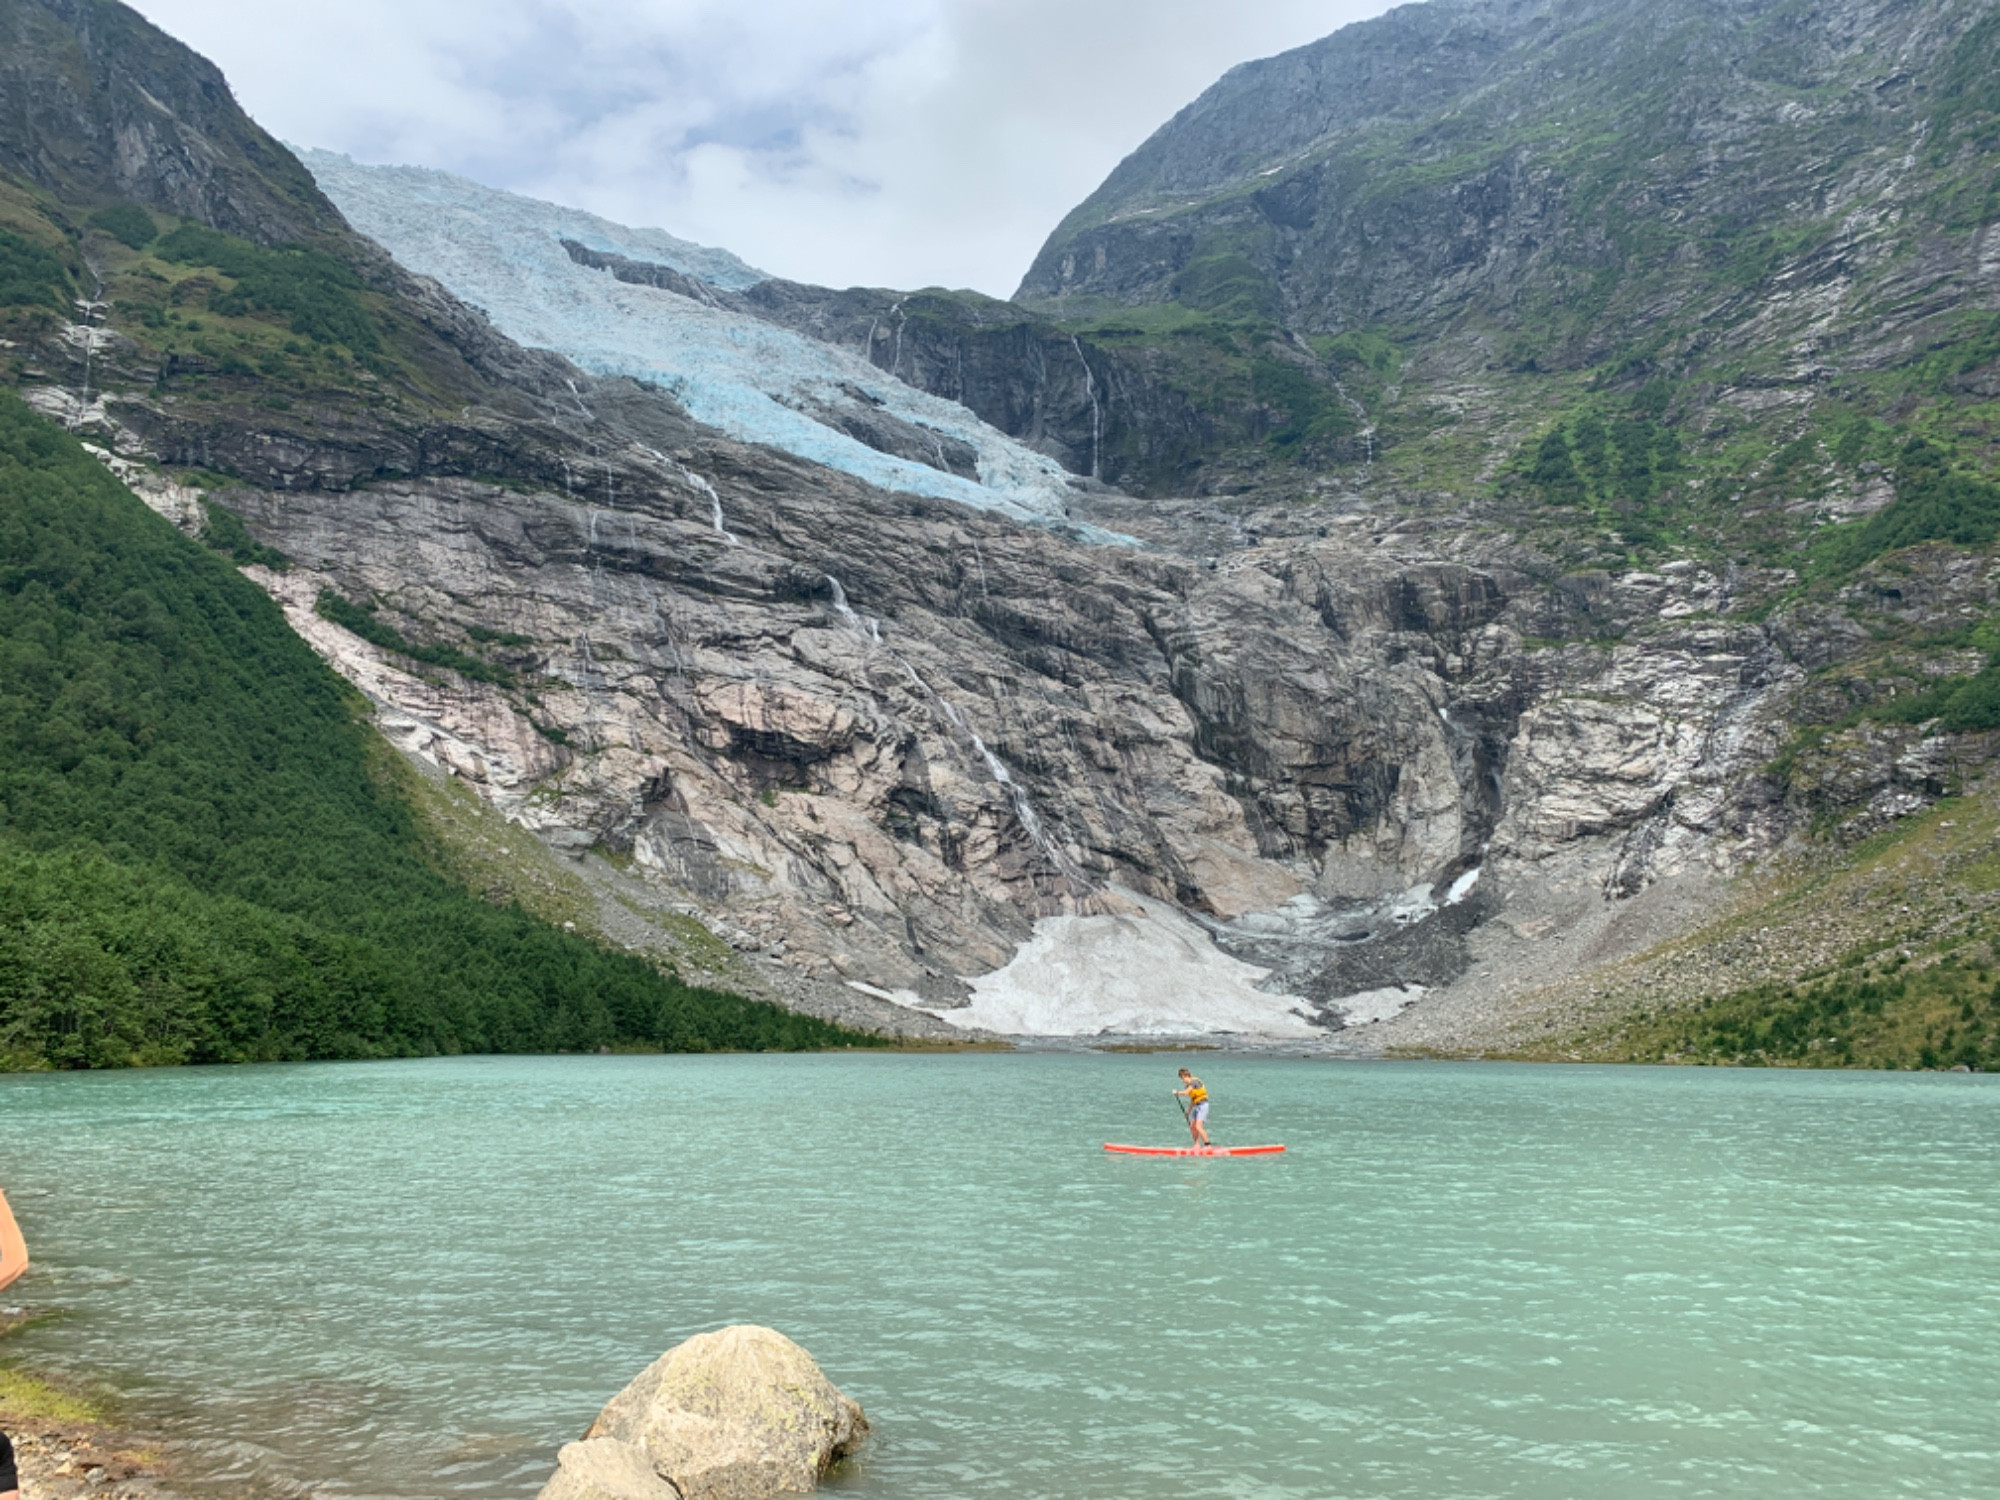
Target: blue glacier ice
(503,253)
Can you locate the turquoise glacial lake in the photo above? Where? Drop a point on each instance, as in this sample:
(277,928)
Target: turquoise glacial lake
(417,1279)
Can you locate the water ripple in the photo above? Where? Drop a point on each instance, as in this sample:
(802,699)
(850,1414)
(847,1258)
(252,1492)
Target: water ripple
(417,1279)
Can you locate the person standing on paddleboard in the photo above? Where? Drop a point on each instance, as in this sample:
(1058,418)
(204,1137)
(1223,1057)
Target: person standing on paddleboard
(1197,1107)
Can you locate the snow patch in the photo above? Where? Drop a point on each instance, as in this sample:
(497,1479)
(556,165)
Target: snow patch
(1412,905)
(908,999)
(1366,1007)
(1151,972)
(753,380)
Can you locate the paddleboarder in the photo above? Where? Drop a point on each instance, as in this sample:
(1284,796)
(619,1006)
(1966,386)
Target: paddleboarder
(1196,1107)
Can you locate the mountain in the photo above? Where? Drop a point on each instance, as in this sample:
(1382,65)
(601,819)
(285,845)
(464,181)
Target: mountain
(199,861)
(1426,640)
(1768,223)
(204,854)
(557,279)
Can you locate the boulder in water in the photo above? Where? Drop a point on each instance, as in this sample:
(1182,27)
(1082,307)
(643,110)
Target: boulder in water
(740,1414)
(605,1469)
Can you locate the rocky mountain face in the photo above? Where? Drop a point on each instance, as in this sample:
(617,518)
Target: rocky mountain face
(1768,217)
(99,106)
(1467,651)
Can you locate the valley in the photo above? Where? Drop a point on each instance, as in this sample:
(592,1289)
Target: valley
(1458,502)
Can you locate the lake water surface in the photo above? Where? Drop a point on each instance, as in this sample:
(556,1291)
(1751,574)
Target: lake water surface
(417,1279)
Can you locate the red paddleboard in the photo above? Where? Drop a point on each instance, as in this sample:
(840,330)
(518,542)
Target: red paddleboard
(1194,1150)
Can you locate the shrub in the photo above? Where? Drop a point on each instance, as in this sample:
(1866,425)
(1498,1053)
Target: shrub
(314,291)
(226,533)
(364,622)
(127,223)
(31,276)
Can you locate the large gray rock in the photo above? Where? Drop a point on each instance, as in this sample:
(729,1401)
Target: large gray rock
(738,1414)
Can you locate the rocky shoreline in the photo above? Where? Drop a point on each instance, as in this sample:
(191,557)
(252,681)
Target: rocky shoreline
(741,1413)
(68,1460)
(68,1444)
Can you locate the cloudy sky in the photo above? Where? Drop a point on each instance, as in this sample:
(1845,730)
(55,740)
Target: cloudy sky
(885,142)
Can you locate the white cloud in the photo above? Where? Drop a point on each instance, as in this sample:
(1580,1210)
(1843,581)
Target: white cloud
(897,142)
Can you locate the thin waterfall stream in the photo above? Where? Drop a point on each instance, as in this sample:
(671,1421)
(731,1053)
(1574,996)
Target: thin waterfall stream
(1096,411)
(870,630)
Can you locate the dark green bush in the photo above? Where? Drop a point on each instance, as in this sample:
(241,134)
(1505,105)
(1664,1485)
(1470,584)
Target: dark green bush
(1554,473)
(30,276)
(371,627)
(1309,409)
(1934,502)
(1961,704)
(316,292)
(227,534)
(128,223)
(1623,463)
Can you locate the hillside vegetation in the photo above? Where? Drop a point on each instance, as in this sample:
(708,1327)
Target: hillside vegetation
(1882,955)
(197,863)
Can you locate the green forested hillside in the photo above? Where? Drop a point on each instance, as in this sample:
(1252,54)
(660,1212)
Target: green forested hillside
(196,863)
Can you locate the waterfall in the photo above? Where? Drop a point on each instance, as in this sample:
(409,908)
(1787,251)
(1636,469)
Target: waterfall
(695,481)
(577,396)
(980,558)
(1359,412)
(1096,412)
(700,486)
(1024,810)
(89,348)
(868,629)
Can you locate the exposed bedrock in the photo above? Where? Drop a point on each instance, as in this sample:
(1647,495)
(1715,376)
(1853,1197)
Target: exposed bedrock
(877,738)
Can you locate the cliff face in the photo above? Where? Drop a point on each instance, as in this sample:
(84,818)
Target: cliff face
(1355,721)
(1513,160)
(100,106)
(879,740)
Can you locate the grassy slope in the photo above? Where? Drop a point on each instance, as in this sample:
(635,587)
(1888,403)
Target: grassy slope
(216,324)
(196,862)
(1884,956)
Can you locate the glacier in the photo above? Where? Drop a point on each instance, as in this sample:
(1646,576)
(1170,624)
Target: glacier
(503,253)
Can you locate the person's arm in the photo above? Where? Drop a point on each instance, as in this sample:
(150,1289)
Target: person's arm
(10,1475)
(13,1255)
